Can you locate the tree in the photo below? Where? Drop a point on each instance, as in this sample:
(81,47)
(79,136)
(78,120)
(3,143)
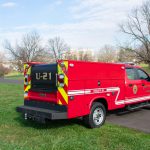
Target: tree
(126,55)
(70,55)
(3,69)
(28,50)
(137,27)
(2,57)
(85,55)
(107,54)
(57,48)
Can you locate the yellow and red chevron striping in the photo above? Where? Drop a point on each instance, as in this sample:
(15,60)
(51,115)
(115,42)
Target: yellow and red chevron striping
(27,72)
(61,100)
(62,91)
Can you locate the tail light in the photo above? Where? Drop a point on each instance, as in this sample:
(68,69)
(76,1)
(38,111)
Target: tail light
(26,80)
(61,76)
(25,95)
(61,80)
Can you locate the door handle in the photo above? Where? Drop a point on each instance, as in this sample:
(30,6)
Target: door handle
(130,85)
(143,84)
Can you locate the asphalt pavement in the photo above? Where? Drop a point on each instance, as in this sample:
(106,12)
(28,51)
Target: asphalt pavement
(139,120)
(2,80)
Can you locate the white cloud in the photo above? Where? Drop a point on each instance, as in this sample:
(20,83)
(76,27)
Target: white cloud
(58,2)
(53,5)
(82,34)
(8,4)
(97,9)
(103,16)
(95,24)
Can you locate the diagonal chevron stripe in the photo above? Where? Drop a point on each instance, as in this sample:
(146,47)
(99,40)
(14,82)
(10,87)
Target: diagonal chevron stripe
(64,94)
(59,102)
(66,64)
(27,88)
(27,71)
(66,80)
(60,71)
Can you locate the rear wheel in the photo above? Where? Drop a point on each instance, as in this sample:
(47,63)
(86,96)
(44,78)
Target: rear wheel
(97,116)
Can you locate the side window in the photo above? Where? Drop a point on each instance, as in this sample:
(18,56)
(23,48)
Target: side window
(142,75)
(131,74)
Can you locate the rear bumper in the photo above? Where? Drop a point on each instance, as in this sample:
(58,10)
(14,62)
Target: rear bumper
(34,113)
(42,110)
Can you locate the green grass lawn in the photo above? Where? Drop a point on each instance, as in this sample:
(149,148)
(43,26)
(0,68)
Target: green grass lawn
(145,67)
(16,134)
(14,76)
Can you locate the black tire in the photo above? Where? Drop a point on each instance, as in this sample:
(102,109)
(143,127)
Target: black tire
(89,119)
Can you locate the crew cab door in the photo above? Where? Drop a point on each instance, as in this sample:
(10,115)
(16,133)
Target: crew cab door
(134,88)
(145,79)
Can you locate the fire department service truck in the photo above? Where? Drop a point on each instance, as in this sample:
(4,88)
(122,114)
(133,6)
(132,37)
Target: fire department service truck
(69,89)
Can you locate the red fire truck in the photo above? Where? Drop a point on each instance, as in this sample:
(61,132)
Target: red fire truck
(69,89)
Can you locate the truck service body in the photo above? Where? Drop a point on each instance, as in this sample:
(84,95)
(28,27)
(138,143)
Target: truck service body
(69,89)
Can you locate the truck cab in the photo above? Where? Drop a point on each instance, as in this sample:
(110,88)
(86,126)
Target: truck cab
(137,85)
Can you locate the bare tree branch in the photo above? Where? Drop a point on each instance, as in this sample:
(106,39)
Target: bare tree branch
(57,48)
(29,49)
(138,28)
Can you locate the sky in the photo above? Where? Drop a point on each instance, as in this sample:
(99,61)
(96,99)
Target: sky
(81,23)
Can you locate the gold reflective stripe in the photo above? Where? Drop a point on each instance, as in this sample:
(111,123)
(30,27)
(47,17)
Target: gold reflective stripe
(66,80)
(25,66)
(29,82)
(27,88)
(29,71)
(59,69)
(59,102)
(66,64)
(63,94)
(61,90)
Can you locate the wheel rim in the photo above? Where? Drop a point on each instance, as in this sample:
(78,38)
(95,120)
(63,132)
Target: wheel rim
(98,116)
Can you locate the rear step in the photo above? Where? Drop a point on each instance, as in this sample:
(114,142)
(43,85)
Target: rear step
(132,107)
(41,114)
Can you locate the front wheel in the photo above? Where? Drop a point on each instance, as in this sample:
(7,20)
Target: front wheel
(97,116)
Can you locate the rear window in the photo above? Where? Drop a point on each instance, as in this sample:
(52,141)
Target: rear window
(131,74)
(43,77)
